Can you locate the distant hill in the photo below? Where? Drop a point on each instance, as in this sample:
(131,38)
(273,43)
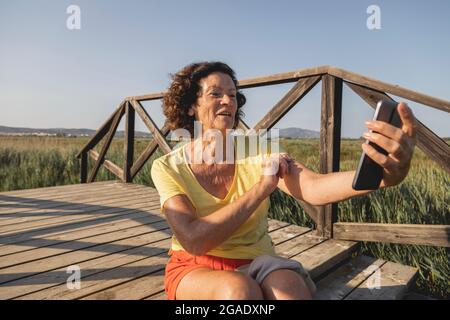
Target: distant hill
(293,133)
(60,132)
(297,133)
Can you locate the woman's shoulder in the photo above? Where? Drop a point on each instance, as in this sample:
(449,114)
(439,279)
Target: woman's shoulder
(170,161)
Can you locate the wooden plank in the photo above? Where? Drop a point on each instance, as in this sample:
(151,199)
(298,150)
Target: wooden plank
(84,242)
(66,210)
(43,193)
(57,189)
(118,221)
(21,205)
(276,224)
(128,143)
(325,255)
(286,233)
(330,141)
(148,279)
(100,246)
(338,284)
(433,146)
(101,132)
(56,218)
(389,283)
(298,244)
(36,227)
(44,219)
(279,78)
(147,97)
(95,272)
(68,205)
(287,102)
(393,89)
(157,135)
(17,221)
(22,236)
(20,221)
(158,296)
(105,146)
(111,166)
(146,154)
(418,234)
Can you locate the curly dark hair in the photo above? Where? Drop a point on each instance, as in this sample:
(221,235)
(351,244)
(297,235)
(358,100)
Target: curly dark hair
(185,89)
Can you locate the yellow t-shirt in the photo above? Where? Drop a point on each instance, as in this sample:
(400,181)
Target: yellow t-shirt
(172,175)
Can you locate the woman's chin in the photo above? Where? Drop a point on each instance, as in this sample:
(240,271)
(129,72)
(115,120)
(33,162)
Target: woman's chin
(224,125)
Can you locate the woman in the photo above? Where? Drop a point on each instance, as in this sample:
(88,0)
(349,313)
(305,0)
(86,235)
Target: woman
(218,209)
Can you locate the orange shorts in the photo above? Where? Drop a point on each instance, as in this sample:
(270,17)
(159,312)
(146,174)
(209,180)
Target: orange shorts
(181,263)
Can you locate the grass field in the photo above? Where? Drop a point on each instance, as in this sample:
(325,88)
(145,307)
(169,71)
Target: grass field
(423,198)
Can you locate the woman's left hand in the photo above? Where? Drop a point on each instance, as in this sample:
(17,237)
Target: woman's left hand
(398,142)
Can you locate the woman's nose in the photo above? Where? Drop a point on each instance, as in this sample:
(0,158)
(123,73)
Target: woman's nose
(226,99)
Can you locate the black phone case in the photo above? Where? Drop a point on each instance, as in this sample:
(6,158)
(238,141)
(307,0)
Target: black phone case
(369,174)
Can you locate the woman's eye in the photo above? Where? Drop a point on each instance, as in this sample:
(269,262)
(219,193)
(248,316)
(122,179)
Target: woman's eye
(215,94)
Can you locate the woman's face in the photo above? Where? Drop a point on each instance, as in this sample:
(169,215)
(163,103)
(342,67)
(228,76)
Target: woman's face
(216,106)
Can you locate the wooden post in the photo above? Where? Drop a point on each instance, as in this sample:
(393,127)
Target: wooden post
(330,141)
(83,169)
(128,143)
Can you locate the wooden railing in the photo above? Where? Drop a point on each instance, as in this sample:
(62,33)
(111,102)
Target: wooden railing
(325,217)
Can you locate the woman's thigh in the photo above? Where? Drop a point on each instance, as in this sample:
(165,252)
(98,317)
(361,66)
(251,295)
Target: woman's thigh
(285,284)
(208,284)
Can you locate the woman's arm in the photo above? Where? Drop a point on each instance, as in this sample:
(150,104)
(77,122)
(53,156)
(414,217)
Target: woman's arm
(320,189)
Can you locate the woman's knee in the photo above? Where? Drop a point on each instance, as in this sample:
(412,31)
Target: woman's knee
(285,284)
(239,286)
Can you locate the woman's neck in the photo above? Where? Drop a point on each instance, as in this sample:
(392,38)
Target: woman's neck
(211,152)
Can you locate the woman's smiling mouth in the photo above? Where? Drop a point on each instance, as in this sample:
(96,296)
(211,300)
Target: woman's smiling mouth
(224,114)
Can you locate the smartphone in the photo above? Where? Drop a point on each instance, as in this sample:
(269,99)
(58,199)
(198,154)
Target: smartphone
(369,174)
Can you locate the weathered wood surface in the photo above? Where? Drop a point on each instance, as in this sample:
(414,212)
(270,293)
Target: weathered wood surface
(278,78)
(114,232)
(128,143)
(417,234)
(330,143)
(367,278)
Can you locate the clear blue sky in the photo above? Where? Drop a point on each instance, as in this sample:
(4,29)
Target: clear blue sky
(54,77)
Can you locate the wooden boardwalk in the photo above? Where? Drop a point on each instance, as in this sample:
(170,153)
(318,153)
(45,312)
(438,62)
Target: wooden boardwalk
(114,232)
